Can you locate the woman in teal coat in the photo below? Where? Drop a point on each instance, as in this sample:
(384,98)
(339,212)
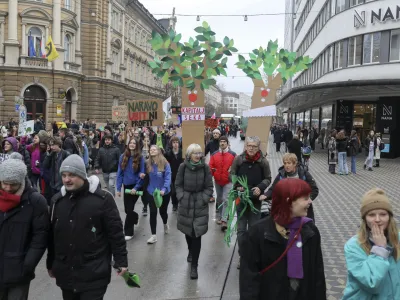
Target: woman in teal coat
(372,257)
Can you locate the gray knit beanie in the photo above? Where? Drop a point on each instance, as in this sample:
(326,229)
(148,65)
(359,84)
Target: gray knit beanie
(13,171)
(16,155)
(74,164)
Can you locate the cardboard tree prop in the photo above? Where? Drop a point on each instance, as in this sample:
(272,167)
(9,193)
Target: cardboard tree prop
(283,64)
(192,66)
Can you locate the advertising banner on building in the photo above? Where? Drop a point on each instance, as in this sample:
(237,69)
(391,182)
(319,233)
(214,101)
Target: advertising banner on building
(120,113)
(59,110)
(145,113)
(344,115)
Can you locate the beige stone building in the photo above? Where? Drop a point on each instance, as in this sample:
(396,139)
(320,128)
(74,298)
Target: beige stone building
(103,57)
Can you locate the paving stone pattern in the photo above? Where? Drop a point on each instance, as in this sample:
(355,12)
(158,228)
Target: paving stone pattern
(337,207)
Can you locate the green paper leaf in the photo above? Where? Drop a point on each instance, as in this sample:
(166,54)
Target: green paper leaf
(210,81)
(189,83)
(174,78)
(217,70)
(213,52)
(203,86)
(241,59)
(256,52)
(227,52)
(153,64)
(200,77)
(177,38)
(171,34)
(218,56)
(168,64)
(186,73)
(211,33)
(205,25)
(165,78)
(199,71)
(162,52)
(216,45)
(224,61)
(200,29)
(233,49)
(226,41)
(222,71)
(201,38)
(167,43)
(191,41)
(257,75)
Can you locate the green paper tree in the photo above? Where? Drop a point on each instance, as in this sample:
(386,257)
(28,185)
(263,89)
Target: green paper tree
(193,63)
(286,63)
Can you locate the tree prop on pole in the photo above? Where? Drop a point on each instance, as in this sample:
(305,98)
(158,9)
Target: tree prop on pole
(237,198)
(192,66)
(283,64)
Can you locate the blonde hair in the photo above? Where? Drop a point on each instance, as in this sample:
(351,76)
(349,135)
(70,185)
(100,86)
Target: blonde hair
(290,157)
(158,160)
(192,149)
(392,235)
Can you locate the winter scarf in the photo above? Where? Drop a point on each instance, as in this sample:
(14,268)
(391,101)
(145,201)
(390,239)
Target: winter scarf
(253,158)
(9,201)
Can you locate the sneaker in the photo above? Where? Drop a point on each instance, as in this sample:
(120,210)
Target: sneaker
(128,237)
(166,228)
(212,200)
(370,169)
(144,212)
(152,239)
(189,257)
(193,273)
(224,226)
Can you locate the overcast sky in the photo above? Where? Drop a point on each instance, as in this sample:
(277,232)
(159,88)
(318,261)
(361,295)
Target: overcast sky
(257,31)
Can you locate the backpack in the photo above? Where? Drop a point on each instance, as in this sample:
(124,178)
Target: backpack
(381,146)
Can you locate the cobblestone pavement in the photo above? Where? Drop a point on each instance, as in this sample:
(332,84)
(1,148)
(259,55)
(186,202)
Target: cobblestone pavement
(163,266)
(337,208)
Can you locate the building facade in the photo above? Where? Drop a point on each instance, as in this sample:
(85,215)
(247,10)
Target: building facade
(354,80)
(213,96)
(244,104)
(103,57)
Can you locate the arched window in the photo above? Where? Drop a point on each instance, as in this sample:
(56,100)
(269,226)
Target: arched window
(67,47)
(35,39)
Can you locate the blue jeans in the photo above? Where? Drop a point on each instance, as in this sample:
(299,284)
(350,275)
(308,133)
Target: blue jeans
(343,169)
(353,164)
(109,179)
(222,200)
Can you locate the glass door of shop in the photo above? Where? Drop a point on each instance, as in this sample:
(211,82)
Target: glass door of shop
(364,119)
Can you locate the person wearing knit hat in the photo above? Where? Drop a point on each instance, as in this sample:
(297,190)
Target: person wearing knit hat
(372,256)
(74,164)
(24,230)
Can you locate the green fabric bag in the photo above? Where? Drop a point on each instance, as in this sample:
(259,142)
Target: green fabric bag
(157,198)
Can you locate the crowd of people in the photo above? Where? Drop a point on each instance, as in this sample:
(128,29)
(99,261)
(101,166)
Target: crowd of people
(50,201)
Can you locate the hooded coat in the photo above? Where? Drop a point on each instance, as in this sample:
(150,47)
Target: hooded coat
(13,141)
(194,188)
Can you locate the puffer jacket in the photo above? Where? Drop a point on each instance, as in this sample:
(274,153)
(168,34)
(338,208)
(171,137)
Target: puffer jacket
(194,188)
(220,163)
(341,145)
(108,159)
(370,277)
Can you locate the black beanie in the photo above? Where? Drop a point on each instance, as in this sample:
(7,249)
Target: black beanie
(224,138)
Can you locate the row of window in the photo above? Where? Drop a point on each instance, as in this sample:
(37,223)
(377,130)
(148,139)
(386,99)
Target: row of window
(354,51)
(330,8)
(303,16)
(67,4)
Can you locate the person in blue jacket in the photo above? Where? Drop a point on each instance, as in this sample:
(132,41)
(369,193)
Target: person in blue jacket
(130,173)
(372,256)
(159,177)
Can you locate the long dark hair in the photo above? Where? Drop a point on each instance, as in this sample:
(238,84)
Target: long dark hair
(136,156)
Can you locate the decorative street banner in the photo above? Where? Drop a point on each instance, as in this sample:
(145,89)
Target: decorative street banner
(145,113)
(26,128)
(120,113)
(211,123)
(59,110)
(3,157)
(193,114)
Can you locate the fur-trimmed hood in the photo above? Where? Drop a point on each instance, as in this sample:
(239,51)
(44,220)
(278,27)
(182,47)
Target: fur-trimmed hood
(94,183)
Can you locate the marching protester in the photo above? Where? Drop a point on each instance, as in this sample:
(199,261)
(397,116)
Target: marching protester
(174,158)
(107,159)
(370,147)
(10,145)
(281,257)
(295,146)
(379,147)
(291,169)
(213,144)
(53,161)
(131,167)
(220,164)
(332,152)
(24,230)
(342,145)
(372,256)
(158,177)
(194,188)
(255,167)
(354,150)
(278,138)
(68,143)
(34,150)
(86,231)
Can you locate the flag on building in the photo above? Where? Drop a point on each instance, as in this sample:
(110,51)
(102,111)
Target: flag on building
(51,53)
(213,116)
(42,48)
(31,47)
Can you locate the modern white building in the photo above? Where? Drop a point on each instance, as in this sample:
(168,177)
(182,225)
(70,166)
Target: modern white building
(213,96)
(244,103)
(354,80)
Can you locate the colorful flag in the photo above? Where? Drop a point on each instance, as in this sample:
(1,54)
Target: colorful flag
(31,47)
(42,48)
(213,116)
(51,53)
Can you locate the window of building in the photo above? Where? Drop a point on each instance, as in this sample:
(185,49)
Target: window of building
(68,4)
(371,47)
(132,69)
(115,101)
(115,60)
(35,39)
(395,45)
(356,2)
(340,5)
(333,7)
(115,19)
(67,47)
(355,49)
(338,59)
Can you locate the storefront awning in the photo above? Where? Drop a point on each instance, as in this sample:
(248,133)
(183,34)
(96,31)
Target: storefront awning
(306,97)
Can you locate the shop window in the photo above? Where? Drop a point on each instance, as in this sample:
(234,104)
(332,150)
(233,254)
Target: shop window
(371,48)
(395,45)
(35,40)
(355,49)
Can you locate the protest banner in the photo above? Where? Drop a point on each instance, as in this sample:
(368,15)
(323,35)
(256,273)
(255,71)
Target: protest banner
(143,113)
(3,157)
(25,128)
(120,113)
(193,114)
(211,123)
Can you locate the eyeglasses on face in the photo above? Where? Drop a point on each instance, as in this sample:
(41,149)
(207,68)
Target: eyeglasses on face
(252,146)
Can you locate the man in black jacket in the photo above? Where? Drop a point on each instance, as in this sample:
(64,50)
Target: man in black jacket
(278,138)
(24,230)
(174,157)
(107,160)
(213,145)
(68,141)
(287,136)
(86,231)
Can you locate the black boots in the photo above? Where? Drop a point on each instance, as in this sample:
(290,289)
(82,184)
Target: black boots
(193,272)
(377,164)
(189,257)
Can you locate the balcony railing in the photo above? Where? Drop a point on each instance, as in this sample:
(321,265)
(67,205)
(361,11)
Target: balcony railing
(70,66)
(116,77)
(35,62)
